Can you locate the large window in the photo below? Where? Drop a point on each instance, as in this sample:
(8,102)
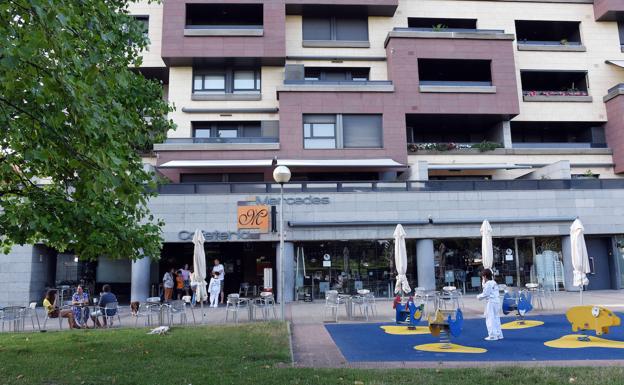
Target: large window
(539,32)
(144,20)
(229,80)
(250,129)
(337,74)
(224,16)
(554,83)
(454,72)
(339,28)
(342,131)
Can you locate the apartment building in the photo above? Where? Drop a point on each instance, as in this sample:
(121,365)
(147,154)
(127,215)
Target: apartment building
(436,114)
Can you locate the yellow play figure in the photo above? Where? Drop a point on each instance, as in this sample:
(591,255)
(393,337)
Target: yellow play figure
(595,318)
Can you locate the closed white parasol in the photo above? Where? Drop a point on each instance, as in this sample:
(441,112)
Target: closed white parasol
(400,260)
(580,259)
(487,252)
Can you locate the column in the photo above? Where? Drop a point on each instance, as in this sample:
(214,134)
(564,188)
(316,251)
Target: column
(501,133)
(139,289)
(419,170)
(425,263)
(289,270)
(568,270)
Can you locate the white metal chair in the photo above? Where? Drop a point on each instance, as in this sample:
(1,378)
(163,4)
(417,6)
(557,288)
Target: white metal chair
(145,312)
(332,303)
(13,315)
(60,319)
(187,299)
(234,304)
(178,307)
(31,312)
(111,310)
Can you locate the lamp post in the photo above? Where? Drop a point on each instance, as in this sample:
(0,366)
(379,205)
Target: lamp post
(281,174)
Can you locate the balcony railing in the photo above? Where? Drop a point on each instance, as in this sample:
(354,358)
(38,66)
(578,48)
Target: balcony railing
(455,83)
(221,140)
(549,42)
(224,26)
(554,93)
(340,83)
(411,186)
(461,30)
(558,145)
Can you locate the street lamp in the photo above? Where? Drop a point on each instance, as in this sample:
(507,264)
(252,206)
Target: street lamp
(281,174)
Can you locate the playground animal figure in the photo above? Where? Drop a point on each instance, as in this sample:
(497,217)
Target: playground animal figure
(408,313)
(520,303)
(438,325)
(596,318)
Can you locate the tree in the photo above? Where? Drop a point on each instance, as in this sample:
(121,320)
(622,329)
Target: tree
(74,109)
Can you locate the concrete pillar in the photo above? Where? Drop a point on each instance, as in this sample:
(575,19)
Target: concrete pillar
(568,270)
(139,287)
(501,133)
(289,270)
(419,170)
(425,263)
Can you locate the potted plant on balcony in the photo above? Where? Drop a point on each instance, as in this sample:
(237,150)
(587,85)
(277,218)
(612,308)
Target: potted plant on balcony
(439,27)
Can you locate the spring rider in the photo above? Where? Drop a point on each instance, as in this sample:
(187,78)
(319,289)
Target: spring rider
(408,314)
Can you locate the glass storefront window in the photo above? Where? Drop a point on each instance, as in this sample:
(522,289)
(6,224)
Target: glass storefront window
(348,266)
(517,261)
(620,259)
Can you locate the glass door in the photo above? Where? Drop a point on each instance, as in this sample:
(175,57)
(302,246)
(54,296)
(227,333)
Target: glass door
(525,252)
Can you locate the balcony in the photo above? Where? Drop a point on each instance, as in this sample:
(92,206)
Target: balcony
(370,7)
(554,86)
(558,135)
(455,76)
(336,86)
(559,36)
(216,31)
(456,70)
(608,10)
(218,144)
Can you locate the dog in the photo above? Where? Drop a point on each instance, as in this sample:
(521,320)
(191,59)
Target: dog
(134,308)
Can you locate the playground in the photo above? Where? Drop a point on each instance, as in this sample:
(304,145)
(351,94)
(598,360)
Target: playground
(554,340)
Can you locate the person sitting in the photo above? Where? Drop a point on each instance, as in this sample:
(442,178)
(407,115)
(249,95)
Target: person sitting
(80,302)
(51,307)
(106,297)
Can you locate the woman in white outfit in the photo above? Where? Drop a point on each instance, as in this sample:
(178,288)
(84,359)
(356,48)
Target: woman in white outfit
(492,306)
(214,288)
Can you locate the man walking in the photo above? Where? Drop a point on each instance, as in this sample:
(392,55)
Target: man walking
(218,268)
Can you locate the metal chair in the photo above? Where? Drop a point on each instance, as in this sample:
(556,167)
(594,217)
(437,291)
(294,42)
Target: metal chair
(333,302)
(13,315)
(153,300)
(110,311)
(265,304)
(178,307)
(187,299)
(144,311)
(244,289)
(31,311)
(233,304)
(454,296)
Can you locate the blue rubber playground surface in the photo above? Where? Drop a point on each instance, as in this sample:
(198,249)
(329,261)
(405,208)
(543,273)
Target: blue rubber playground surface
(369,342)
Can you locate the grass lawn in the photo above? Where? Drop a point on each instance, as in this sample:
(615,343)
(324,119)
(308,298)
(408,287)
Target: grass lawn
(247,354)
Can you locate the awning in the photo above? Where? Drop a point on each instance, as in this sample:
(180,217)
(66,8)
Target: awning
(339,163)
(383,163)
(215,163)
(619,63)
(478,166)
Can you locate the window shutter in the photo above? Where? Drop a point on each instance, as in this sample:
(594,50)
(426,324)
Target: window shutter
(362,131)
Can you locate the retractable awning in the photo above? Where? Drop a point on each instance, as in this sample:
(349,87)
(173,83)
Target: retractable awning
(478,166)
(216,163)
(619,63)
(383,163)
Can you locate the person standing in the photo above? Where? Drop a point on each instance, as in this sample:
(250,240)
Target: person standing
(492,316)
(214,288)
(186,276)
(218,268)
(168,284)
(179,284)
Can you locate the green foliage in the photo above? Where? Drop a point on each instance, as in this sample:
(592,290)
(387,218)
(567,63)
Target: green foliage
(73,111)
(439,27)
(486,146)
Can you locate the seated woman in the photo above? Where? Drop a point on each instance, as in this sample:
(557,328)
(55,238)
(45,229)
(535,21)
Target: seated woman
(80,300)
(49,303)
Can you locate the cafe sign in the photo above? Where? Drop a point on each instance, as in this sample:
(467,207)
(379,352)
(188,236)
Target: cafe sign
(253,217)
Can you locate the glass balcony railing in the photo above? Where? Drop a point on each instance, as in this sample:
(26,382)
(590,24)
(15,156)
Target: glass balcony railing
(222,140)
(443,29)
(455,83)
(340,83)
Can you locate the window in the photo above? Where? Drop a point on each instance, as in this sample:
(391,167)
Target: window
(319,131)
(224,16)
(341,28)
(454,72)
(621,32)
(144,20)
(266,131)
(222,178)
(548,32)
(441,24)
(337,74)
(554,83)
(206,81)
(342,131)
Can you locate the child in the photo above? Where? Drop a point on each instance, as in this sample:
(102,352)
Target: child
(214,288)
(492,306)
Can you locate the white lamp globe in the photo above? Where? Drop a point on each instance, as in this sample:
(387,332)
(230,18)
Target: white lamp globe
(281,174)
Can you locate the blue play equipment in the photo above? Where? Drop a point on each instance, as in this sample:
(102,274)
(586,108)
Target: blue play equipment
(408,313)
(519,302)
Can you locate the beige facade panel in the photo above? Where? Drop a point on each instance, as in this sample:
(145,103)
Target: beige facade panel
(151,58)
